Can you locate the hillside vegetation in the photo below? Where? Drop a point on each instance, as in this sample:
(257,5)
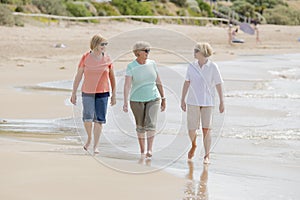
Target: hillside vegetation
(264,11)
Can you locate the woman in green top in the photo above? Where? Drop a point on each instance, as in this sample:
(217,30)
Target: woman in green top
(146,91)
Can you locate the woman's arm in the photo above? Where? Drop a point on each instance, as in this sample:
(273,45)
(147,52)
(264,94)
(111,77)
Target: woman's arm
(221,97)
(161,92)
(185,89)
(113,86)
(76,82)
(127,86)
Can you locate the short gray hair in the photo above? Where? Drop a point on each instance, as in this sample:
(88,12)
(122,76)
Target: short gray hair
(140,45)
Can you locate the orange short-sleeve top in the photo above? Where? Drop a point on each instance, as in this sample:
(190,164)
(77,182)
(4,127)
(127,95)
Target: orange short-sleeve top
(96,73)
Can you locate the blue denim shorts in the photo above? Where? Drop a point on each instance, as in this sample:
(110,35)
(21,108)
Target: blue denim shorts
(94,107)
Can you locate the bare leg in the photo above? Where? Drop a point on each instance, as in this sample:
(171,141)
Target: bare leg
(206,141)
(97,133)
(88,128)
(150,138)
(141,138)
(193,137)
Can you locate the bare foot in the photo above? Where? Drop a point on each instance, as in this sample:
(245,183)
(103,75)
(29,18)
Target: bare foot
(149,154)
(206,161)
(192,151)
(96,151)
(86,146)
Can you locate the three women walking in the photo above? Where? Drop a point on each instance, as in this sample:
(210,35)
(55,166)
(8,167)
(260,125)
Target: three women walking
(144,92)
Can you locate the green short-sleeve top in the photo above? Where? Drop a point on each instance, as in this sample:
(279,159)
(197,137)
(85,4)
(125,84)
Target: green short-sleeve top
(143,84)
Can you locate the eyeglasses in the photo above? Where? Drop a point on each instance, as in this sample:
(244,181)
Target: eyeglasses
(196,50)
(146,50)
(103,44)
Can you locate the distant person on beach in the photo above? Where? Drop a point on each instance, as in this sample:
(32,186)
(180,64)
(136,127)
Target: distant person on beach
(256,33)
(146,95)
(97,68)
(202,78)
(234,38)
(230,34)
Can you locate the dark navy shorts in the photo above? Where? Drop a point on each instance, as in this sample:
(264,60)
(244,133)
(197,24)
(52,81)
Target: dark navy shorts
(94,107)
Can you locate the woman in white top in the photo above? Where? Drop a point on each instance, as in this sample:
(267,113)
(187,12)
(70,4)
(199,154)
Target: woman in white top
(202,78)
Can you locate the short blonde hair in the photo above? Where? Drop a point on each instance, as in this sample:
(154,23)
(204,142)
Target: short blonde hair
(140,45)
(96,40)
(205,49)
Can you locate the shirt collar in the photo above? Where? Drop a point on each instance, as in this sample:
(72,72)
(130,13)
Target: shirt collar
(204,66)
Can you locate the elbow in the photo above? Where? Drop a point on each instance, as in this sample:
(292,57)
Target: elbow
(187,84)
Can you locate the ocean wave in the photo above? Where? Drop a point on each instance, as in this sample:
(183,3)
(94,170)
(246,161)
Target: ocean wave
(292,73)
(57,126)
(262,134)
(261,94)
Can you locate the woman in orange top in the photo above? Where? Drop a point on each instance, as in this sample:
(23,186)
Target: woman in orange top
(99,76)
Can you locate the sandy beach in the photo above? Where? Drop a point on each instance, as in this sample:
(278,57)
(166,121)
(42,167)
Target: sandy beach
(256,151)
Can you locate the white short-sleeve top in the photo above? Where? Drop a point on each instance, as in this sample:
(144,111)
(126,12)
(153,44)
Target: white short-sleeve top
(202,83)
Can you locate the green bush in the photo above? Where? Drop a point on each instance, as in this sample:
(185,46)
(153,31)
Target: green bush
(51,7)
(181,3)
(105,9)
(205,8)
(18,21)
(19,9)
(194,12)
(182,12)
(244,8)
(124,7)
(161,9)
(27,9)
(260,18)
(227,11)
(14,2)
(78,10)
(261,5)
(6,17)
(282,15)
(132,7)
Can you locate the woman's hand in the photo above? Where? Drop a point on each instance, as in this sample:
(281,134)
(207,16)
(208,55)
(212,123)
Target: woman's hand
(73,99)
(125,107)
(163,105)
(221,107)
(113,100)
(183,105)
